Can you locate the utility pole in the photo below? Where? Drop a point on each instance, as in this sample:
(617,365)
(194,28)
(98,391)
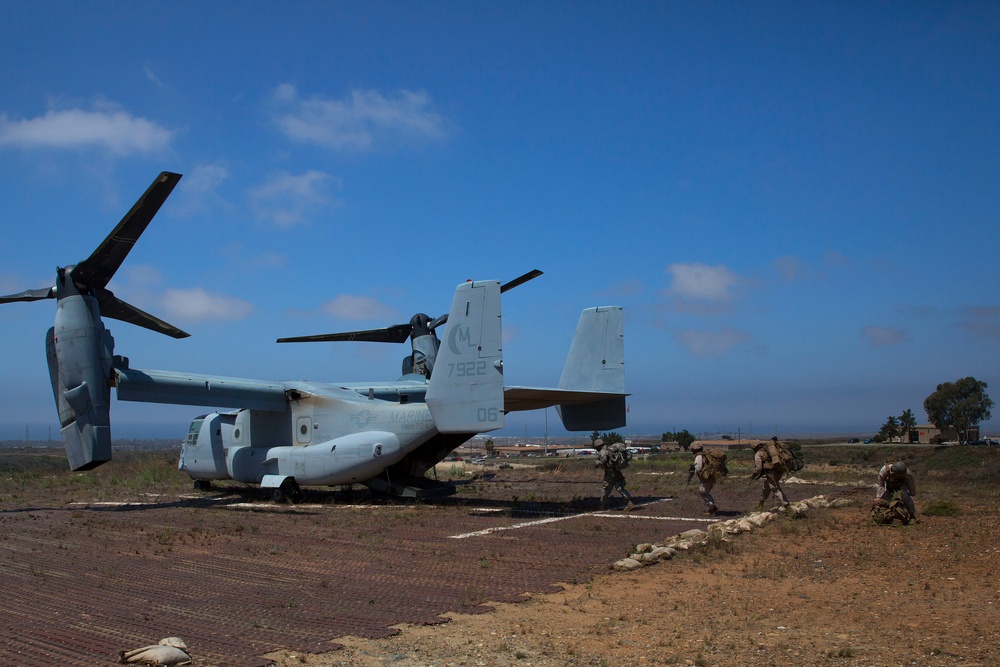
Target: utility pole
(546,433)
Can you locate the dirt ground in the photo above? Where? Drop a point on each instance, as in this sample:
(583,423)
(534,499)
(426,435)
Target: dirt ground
(829,588)
(826,588)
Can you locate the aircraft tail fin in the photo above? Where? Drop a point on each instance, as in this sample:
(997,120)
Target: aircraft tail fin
(596,363)
(465,391)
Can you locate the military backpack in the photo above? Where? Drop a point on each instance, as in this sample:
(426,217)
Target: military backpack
(885,512)
(782,458)
(620,456)
(714,464)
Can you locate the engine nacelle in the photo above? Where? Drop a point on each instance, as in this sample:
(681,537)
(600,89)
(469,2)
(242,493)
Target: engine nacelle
(79,351)
(345,460)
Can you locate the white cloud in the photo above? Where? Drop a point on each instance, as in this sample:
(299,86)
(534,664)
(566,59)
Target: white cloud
(198,305)
(351,307)
(287,199)
(200,194)
(361,121)
(206,178)
(701,288)
(882,336)
(103,127)
(710,343)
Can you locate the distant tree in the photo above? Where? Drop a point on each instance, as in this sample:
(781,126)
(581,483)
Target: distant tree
(594,436)
(960,405)
(611,437)
(906,424)
(682,438)
(489,447)
(889,430)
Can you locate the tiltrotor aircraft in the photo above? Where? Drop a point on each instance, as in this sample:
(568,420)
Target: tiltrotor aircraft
(286,434)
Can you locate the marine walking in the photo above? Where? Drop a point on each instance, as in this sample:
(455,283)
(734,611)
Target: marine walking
(613,458)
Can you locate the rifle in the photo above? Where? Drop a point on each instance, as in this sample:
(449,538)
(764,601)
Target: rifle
(690,475)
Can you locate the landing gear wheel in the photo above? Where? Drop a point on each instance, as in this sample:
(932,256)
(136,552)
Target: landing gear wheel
(289,491)
(202,485)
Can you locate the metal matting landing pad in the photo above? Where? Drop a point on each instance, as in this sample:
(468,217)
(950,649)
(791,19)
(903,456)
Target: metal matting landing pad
(236,579)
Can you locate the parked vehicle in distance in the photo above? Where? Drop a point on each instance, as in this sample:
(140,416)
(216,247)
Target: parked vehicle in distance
(853,441)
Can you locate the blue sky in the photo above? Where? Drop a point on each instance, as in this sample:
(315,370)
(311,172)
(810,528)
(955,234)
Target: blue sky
(796,203)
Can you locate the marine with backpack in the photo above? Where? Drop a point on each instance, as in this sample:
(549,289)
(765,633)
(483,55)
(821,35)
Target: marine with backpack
(707,464)
(769,463)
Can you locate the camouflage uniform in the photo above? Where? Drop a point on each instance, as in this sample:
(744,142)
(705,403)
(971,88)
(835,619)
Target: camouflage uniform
(895,477)
(705,482)
(613,477)
(763,467)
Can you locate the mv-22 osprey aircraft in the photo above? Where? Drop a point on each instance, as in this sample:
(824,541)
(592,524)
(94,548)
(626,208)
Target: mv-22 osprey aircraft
(283,435)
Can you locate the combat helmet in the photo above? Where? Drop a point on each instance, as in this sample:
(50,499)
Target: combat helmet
(598,443)
(696,447)
(758,445)
(899,468)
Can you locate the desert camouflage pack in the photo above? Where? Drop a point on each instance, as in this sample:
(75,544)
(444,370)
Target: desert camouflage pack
(715,464)
(620,455)
(782,457)
(885,512)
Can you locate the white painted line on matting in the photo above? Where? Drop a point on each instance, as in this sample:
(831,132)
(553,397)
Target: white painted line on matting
(539,522)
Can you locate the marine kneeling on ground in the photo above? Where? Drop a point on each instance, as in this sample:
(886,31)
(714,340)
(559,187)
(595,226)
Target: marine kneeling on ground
(770,462)
(894,478)
(613,458)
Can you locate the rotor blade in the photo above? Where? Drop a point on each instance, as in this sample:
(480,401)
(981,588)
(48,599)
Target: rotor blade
(97,270)
(530,275)
(438,321)
(30,295)
(113,307)
(395,334)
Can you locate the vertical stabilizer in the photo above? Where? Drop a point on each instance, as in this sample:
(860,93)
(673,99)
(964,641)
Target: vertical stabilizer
(596,362)
(465,393)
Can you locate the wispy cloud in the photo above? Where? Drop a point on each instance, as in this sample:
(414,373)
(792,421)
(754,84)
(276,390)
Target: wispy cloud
(361,121)
(151,75)
(836,258)
(711,343)
(140,284)
(702,288)
(105,126)
(789,268)
(287,199)
(882,336)
(352,307)
(200,305)
(200,193)
(981,321)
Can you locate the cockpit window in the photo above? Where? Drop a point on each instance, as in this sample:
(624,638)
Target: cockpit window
(192,436)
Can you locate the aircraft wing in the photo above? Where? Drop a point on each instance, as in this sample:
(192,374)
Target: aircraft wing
(193,389)
(517,399)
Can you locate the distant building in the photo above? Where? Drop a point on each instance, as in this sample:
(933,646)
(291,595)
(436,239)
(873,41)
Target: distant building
(929,434)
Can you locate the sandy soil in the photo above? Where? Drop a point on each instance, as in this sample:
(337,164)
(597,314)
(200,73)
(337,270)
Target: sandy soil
(830,588)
